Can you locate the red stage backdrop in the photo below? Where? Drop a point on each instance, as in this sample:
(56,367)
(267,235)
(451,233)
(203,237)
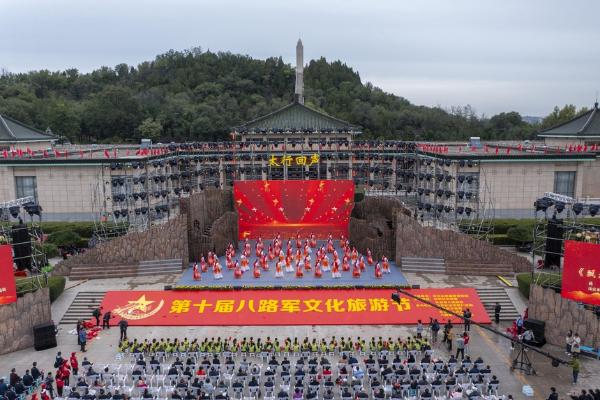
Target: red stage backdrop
(8,289)
(581,272)
(288,307)
(293,207)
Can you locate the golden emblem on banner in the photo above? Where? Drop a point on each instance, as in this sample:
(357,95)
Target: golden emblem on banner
(139,309)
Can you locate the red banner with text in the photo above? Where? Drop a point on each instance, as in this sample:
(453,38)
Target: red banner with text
(290,208)
(289,307)
(581,272)
(8,289)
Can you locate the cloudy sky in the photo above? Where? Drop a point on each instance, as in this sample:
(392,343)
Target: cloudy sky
(502,55)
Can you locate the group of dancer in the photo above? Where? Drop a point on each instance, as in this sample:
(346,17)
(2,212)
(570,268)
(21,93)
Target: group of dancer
(299,257)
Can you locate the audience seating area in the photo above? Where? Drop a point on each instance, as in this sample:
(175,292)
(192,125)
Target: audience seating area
(356,368)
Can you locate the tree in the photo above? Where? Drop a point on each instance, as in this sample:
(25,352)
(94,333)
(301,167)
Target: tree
(150,129)
(561,115)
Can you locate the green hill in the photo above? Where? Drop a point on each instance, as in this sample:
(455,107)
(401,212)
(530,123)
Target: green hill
(196,95)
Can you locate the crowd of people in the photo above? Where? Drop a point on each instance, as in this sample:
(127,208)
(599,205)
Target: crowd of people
(296,256)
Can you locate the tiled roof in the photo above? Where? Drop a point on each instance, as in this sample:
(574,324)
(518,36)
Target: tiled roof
(13,131)
(296,117)
(587,124)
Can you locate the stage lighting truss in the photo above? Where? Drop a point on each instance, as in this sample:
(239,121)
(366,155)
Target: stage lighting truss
(449,196)
(570,213)
(24,209)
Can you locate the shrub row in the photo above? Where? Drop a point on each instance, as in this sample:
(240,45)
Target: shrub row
(543,279)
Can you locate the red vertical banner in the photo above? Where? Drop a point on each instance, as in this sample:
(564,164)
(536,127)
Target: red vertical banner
(8,288)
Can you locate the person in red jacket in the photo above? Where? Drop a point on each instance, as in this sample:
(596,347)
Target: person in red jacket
(74,363)
(65,372)
(60,384)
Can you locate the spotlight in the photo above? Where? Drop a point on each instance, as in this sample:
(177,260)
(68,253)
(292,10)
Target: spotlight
(396,297)
(559,206)
(577,208)
(468,210)
(594,208)
(460,210)
(542,204)
(14,211)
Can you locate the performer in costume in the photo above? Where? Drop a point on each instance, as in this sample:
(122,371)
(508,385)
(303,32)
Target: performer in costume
(217,270)
(278,270)
(196,274)
(318,272)
(288,265)
(237,272)
(385,265)
(369,257)
(356,271)
(378,273)
(335,271)
(203,265)
(361,263)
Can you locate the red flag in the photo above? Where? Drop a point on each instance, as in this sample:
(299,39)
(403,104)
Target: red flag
(106,153)
(508,150)
(20,152)
(5,154)
(45,153)
(520,147)
(29,151)
(115,152)
(585,148)
(56,153)
(80,153)
(497,149)
(486,149)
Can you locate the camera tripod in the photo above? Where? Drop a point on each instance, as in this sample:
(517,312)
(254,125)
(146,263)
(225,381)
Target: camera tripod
(522,361)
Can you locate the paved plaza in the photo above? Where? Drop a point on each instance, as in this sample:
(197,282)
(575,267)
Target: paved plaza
(494,350)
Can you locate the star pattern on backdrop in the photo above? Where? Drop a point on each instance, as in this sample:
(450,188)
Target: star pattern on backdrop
(315,205)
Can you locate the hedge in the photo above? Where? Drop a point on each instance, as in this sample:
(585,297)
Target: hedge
(83,229)
(64,238)
(56,284)
(543,279)
(50,250)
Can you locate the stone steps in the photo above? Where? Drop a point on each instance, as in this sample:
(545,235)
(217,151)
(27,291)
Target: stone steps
(145,268)
(481,269)
(102,272)
(421,264)
(159,267)
(490,295)
(82,307)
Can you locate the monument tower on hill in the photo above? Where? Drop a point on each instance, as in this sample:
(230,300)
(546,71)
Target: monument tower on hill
(299,93)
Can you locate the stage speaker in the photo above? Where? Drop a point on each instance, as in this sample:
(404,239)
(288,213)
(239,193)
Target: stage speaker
(44,336)
(554,239)
(21,244)
(538,328)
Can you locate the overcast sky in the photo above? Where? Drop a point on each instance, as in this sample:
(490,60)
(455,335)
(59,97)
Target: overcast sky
(502,55)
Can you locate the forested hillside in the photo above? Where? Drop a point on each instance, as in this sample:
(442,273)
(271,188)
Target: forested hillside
(196,95)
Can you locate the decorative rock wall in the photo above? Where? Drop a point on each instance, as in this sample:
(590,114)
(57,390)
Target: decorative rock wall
(414,240)
(19,318)
(372,226)
(211,221)
(165,241)
(561,315)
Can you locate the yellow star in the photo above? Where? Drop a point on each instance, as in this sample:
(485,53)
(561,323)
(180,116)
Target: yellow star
(140,304)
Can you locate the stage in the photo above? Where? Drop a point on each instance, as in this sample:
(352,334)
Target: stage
(268,280)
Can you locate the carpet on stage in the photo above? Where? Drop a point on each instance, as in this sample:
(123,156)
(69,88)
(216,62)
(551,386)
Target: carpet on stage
(267,279)
(289,307)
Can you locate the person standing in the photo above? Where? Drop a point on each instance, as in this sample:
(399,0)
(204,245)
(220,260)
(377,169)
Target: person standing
(553,394)
(569,342)
(450,338)
(497,310)
(467,317)
(74,363)
(460,346)
(435,328)
(576,367)
(97,313)
(106,320)
(82,338)
(520,325)
(123,324)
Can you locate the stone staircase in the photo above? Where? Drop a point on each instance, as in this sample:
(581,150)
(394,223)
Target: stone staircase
(159,267)
(490,295)
(454,267)
(82,307)
(426,265)
(144,268)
